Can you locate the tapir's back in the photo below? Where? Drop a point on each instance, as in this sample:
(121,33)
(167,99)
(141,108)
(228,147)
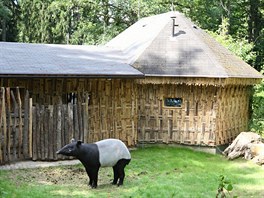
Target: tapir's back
(111,151)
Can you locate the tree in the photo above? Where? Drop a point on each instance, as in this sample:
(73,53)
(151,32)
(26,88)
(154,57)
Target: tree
(97,21)
(9,12)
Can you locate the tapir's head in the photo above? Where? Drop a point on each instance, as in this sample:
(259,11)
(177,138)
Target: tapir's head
(71,149)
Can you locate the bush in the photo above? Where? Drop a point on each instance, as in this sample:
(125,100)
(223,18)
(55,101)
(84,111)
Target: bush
(257,117)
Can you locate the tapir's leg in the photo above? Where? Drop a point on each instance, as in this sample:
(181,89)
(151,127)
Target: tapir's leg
(121,164)
(88,171)
(115,169)
(94,175)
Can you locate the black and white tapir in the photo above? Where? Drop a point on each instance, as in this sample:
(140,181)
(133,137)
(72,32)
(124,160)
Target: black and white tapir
(104,153)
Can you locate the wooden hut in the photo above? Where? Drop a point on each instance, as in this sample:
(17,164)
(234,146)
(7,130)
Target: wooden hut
(161,80)
(53,93)
(195,91)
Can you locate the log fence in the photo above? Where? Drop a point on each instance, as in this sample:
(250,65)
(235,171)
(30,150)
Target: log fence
(34,125)
(37,132)
(15,130)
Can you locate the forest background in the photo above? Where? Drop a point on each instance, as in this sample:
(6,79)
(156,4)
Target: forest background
(238,25)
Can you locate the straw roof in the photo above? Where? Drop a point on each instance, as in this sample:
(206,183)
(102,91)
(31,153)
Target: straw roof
(170,45)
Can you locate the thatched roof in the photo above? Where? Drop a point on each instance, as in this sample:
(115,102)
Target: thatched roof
(170,45)
(52,60)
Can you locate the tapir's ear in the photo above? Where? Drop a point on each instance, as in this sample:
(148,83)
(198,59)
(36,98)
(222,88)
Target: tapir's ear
(79,142)
(73,140)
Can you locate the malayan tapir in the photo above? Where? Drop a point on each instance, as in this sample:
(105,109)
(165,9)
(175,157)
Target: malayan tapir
(104,153)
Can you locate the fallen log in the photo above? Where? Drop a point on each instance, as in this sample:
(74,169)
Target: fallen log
(240,144)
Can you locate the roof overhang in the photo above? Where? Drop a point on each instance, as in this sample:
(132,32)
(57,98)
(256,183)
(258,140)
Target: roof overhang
(63,61)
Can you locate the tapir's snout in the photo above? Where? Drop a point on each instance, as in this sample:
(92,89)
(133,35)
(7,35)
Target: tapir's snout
(66,150)
(58,152)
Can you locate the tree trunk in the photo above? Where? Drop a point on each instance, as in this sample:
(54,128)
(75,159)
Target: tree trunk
(3,29)
(254,22)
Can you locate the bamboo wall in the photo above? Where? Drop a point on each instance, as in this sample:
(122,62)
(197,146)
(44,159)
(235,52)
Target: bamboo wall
(192,123)
(39,116)
(233,112)
(101,109)
(209,115)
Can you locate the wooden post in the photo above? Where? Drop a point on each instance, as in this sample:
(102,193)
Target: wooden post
(66,123)
(26,126)
(9,123)
(20,129)
(64,128)
(5,158)
(30,125)
(46,128)
(41,145)
(58,134)
(80,117)
(70,133)
(35,109)
(2,114)
(75,122)
(14,131)
(51,132)
(86,118)
(37,131)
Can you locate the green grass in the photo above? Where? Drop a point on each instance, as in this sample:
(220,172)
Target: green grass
(153,172)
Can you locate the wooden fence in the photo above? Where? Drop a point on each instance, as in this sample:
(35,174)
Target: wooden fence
(55,125)
(15,125)
(35,128)
(37,132)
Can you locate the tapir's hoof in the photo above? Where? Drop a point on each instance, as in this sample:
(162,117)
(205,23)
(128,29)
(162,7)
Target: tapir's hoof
(92,186)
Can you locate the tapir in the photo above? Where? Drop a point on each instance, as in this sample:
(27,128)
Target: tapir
(104,153)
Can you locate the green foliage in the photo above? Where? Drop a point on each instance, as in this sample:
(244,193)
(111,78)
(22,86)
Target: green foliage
(241,47)
(225,186)
(74,22)
(257,117)
(9,10)
(5,12)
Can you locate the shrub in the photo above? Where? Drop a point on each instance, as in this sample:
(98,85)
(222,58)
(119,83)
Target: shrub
(257,117)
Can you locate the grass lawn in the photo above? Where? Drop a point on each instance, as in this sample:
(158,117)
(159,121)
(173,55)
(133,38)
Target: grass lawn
(153,172)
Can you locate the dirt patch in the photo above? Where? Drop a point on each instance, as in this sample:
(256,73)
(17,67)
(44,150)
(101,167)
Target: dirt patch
(69,175)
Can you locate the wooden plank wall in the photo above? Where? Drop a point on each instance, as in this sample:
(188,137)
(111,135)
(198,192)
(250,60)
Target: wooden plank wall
(15,125)
(193,123)
(233,112)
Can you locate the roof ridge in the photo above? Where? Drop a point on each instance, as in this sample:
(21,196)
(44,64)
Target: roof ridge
(179,48)
(132,48)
